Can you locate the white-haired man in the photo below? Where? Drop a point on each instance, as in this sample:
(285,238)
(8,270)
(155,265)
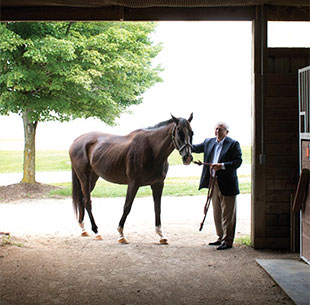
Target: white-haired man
(225,156)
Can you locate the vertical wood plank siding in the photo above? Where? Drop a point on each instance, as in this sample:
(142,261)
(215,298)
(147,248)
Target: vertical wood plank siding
(281,140)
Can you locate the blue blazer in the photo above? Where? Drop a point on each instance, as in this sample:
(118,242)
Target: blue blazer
(231,156)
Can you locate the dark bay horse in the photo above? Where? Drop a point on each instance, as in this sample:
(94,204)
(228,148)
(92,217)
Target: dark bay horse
(137,159)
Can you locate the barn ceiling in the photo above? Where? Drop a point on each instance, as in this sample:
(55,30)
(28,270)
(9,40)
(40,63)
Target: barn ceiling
(147,10)
(151,3)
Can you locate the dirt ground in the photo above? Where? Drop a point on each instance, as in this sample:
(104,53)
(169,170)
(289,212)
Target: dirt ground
(45,261)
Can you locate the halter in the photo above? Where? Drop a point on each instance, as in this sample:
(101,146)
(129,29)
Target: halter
(175,143)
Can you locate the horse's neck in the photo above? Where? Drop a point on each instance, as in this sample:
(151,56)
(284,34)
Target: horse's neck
(163,142)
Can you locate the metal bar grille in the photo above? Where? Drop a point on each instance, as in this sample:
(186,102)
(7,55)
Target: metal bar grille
(304,100)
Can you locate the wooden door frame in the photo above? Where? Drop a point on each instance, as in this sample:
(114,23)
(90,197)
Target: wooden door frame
(259,46)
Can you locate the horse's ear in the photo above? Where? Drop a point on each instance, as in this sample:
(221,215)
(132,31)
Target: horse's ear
(190,117)
(175,119)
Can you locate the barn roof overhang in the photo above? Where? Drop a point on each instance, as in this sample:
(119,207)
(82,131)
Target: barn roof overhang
(137,10)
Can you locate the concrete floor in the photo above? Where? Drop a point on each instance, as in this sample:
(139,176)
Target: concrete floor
(293,276)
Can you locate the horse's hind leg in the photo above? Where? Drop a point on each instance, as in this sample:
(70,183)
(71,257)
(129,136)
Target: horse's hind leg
(130,196)
(77,199)
(81,221)
(157,190)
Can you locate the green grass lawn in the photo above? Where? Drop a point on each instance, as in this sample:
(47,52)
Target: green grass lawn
(174,186)
(46,161)
(55,160)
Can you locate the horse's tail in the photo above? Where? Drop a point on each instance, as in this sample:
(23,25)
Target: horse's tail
(77,195)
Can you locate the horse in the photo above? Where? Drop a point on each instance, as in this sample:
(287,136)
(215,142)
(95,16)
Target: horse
(137,159)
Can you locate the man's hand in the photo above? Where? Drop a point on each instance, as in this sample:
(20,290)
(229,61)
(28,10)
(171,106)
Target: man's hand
(216,166)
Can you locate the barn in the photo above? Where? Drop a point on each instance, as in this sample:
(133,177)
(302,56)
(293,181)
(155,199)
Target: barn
(280,99)
(275,106)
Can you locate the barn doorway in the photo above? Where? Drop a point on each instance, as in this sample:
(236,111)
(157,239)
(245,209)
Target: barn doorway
(207,71)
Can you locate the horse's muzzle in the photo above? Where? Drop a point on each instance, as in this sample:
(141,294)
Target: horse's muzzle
(186,152)
(187,159)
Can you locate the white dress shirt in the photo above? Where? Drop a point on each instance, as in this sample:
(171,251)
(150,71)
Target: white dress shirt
(216,154)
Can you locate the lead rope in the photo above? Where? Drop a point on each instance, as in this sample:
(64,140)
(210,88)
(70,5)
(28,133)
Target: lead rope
(209,196)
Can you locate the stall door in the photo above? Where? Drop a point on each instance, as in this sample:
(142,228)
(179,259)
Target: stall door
(304,110)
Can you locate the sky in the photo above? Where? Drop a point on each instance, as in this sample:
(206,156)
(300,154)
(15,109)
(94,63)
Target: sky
(207,71)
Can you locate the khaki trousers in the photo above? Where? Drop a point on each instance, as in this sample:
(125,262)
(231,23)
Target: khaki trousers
(224,212)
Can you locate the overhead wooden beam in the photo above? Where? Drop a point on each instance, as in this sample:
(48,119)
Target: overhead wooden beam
(57,13)
(232,13)
(288,13)
(116,13)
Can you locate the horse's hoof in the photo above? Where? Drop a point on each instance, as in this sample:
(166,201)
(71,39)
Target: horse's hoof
(123,241)
(98,237)
(164,241)
(85,234)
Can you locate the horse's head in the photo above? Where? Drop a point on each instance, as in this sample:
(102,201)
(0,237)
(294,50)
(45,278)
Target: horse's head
(182,137)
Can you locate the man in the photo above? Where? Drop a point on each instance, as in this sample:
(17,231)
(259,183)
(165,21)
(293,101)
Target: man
(224,156)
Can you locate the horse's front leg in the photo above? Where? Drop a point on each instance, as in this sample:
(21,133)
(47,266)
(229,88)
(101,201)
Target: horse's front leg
(157,190)
(130,196)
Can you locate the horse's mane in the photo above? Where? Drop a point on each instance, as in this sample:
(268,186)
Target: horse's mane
(161,124)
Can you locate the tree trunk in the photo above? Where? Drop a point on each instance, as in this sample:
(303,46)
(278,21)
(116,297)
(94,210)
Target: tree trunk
(29,149)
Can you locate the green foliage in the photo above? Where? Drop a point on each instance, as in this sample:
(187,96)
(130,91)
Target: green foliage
(244,240)
(65,70)
(7,240)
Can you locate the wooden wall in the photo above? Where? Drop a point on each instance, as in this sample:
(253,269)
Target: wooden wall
(275,168)
(281,138)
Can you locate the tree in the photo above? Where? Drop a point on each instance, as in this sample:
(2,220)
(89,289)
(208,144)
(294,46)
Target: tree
(67,70)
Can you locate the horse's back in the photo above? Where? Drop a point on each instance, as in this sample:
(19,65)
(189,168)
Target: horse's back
(104,153)
(117,159)
(112,156)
